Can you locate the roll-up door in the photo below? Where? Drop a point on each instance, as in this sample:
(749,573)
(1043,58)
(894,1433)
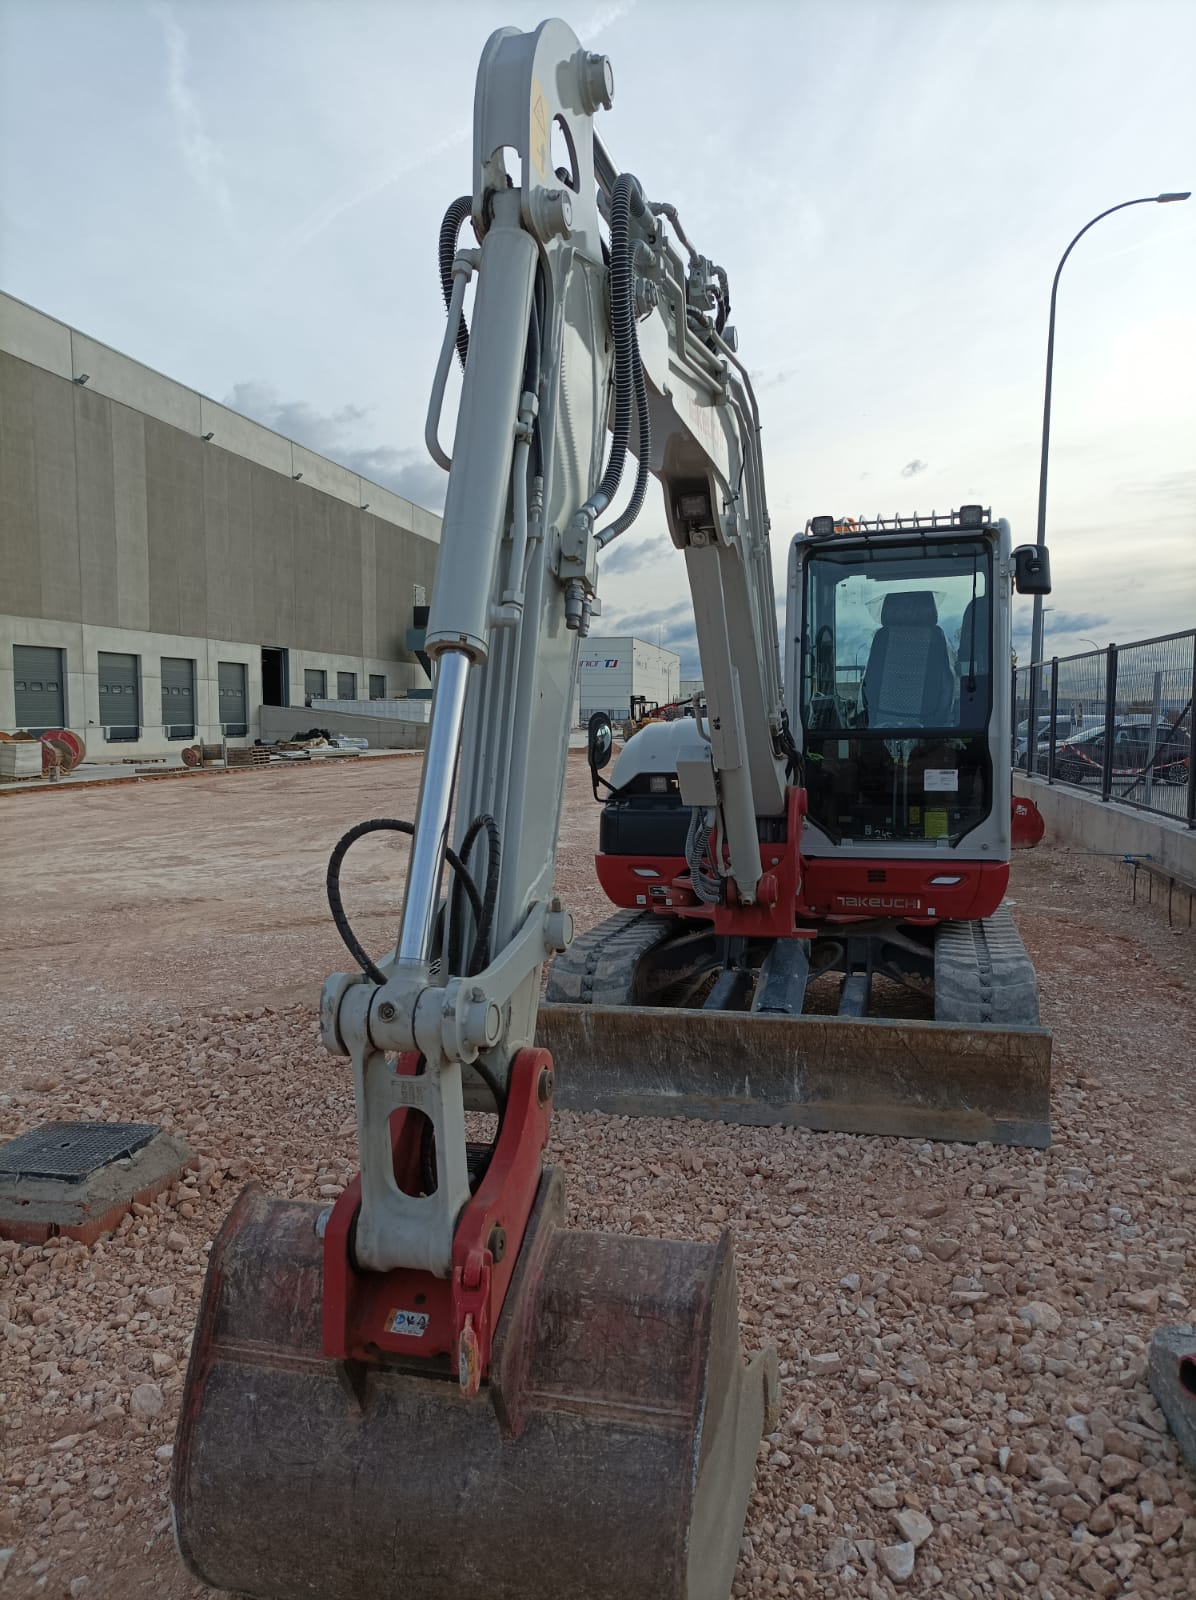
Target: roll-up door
(232,698)
(120,702)
(39,680)
(346,686)
(315,683)
(178,697)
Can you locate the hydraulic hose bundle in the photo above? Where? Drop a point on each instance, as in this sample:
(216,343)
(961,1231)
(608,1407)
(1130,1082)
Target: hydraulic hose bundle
(627,200)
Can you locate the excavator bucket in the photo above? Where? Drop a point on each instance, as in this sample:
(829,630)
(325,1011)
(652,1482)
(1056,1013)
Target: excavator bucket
(913,1079)
(616,1437)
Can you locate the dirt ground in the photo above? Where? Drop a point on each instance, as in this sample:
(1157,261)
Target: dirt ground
(962,1330)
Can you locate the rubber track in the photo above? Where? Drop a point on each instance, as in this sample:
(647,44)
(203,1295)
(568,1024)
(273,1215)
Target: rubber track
(982,974)
(598,968)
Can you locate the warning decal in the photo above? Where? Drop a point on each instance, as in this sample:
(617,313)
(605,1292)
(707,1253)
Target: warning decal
(412,1323)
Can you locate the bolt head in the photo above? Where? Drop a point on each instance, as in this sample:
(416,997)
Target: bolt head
(386,1011)
(597,82)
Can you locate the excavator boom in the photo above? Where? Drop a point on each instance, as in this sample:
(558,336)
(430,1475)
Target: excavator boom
(433,1390)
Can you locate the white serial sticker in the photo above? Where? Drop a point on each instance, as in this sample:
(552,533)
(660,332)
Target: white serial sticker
(941,778)
(413,1323)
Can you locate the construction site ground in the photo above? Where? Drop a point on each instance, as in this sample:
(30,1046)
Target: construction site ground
(962,1330)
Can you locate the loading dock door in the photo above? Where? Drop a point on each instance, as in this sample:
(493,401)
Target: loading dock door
(232,698)
(178,697)
(120,702)
(38,675)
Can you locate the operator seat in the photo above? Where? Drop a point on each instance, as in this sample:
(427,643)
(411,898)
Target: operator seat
(973,663)
(909,681)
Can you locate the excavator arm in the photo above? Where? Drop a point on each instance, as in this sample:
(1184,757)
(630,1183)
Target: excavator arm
(554,332)
(433,1388)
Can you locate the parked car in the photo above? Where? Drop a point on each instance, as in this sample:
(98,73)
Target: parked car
(1081,757)
(1063,728)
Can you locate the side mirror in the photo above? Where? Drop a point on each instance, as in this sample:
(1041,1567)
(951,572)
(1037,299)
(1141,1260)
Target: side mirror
(600,742)
(1031,569)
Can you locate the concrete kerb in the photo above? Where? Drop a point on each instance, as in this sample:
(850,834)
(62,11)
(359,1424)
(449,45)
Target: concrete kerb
(1108,828)
(83,780)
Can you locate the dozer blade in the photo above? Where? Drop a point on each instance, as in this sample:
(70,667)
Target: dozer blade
(917,1080)
(612,1452)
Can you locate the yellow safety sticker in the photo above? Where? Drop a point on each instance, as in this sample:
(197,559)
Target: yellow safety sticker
(936,825)
(539,132)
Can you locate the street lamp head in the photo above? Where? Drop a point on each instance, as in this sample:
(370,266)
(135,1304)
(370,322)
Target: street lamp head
(1165,199)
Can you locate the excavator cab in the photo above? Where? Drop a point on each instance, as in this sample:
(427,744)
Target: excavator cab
(890,649)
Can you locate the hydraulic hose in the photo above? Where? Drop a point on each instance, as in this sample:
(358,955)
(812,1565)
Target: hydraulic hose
(333,886)
(627,201)
(644,418)
(479,957)
(450,229)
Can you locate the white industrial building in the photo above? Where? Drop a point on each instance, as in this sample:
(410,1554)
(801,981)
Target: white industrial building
(169,569)
(610,671)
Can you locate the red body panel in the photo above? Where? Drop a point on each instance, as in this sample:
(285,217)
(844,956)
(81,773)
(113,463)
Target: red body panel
(798,889)
(843,889)
(442,1316)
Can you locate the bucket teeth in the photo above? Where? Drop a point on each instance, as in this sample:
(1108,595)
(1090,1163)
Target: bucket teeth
(617,1435)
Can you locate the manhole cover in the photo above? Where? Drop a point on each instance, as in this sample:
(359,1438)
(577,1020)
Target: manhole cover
(70,1151)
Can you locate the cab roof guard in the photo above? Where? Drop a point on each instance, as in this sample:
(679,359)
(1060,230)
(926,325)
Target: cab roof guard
(966,517)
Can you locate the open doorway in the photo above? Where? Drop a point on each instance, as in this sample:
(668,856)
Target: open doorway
(275,677)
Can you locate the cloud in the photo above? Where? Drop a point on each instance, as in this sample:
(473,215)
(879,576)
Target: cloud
(335,434)
(625,556)
(201,155)
(912,468)
(1077,621)
(605,17)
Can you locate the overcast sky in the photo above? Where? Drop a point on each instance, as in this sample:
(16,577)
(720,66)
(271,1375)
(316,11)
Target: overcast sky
(246,194)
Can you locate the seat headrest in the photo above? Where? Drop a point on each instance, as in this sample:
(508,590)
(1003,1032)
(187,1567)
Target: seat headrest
(914,609)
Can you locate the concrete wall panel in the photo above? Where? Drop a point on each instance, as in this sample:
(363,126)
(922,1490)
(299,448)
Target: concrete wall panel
(55,497)
(320,473)
(21,572)
(129,512)
(230,431)
(110,373)
(96,507)
(35,338)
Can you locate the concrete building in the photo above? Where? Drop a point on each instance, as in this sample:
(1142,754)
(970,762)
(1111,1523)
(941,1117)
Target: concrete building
(168,567)
(610,671)
(690,687)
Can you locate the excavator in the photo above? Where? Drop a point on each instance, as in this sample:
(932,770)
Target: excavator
(432,1387)
(871,980)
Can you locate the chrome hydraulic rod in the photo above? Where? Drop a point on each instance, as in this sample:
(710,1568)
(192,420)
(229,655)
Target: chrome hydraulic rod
(435,803)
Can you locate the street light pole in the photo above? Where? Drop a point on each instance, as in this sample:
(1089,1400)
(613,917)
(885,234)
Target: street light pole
(1036,629)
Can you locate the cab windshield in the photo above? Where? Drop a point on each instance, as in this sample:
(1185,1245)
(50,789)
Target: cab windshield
(896,688)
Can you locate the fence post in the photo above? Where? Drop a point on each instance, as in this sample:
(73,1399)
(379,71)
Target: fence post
(1050,772)
(1156,711)
(1031,719)
(1192,743)
(1106,775)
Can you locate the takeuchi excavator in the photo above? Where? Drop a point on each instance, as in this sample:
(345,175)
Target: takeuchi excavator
(870,980)
(432,1389)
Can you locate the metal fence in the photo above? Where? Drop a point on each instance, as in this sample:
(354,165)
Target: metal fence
(1116,722)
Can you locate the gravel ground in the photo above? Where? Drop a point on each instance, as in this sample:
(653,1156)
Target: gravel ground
(962,1330)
